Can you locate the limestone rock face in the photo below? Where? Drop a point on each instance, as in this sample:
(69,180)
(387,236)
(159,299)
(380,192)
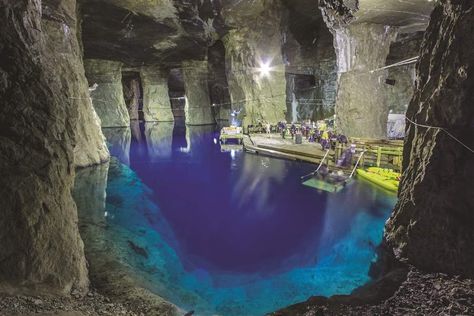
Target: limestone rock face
(41,251)
(156,100)
(108,98)
(361,104)
(254,96)
(198,109)
(432,225)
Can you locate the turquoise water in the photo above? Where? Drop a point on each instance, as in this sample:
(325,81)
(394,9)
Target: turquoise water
(228,233)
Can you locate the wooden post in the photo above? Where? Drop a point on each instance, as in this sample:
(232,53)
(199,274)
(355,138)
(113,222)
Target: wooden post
(379,156)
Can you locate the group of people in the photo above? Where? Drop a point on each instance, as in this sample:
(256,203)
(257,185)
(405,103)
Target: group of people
(314,132)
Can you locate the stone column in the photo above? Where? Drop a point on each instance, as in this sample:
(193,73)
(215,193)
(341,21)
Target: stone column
(107,98)
(254,96)
(156,100)
(198,104)
(41,251)
(361,104)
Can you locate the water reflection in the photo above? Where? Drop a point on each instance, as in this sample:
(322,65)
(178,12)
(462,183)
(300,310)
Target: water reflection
(119,142)
(159,139)
(231,233)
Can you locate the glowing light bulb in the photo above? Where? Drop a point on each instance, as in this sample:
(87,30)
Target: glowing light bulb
(265,69)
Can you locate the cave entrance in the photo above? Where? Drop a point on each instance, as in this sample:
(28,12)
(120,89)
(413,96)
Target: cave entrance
(217,81)
(177,94)
(133,94)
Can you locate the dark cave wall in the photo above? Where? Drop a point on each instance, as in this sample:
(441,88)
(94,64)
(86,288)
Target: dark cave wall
(41,252)
(308,51)
(432,224)
(400,93)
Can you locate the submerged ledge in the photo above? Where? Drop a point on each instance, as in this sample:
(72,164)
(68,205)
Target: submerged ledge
(108,272)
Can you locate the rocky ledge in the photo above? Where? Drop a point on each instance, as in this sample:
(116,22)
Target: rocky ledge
(419,294)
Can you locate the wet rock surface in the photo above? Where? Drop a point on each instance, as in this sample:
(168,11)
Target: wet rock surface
(420,294)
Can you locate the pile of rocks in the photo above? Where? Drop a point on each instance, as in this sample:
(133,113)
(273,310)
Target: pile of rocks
(419,294)
(75,305)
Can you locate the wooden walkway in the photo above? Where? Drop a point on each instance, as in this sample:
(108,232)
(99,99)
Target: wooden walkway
(384,153)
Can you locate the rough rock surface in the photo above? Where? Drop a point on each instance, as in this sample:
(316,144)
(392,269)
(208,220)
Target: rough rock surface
(361,104)
(419,294)
(156,100)
(310,60)
(132,93)
(108,98)
(198,110)
(432,225)
(150,31)
(254,96)
(401,80)
(41,250)
(91,304)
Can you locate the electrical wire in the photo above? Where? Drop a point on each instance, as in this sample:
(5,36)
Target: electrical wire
(444,130)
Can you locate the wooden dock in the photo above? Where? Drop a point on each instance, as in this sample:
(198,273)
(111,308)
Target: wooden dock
(380,153)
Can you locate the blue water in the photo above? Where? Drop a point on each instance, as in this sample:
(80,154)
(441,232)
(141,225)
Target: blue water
(232,233)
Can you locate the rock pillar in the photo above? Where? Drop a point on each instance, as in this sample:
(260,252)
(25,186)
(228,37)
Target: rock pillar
(198,108)
(41,91)
(432,225)
(361,103)
(156,100)
(107,97)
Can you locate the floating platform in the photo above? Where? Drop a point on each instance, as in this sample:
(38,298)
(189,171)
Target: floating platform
(231,133)
(323,185)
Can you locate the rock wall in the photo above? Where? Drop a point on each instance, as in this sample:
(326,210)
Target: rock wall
(400,91)
(156,100)
(254,96)
(432,225)
(41,252)
(107,98)
(198,110)
(361,104)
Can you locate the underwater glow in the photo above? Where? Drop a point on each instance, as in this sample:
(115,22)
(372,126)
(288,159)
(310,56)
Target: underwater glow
(223,232)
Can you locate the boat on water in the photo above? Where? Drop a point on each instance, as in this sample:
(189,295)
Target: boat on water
(386,178)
